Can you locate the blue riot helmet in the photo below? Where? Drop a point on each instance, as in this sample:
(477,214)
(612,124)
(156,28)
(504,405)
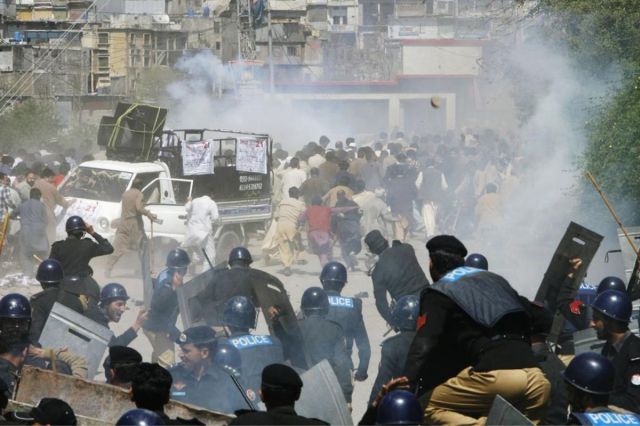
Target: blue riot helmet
(140,417)
(111,292)
(613,304)
(16,306)
(75,224)
(611,283)
(240,254)
(404,313)
(476,260)
(49,272)
(590,372)
(314,301)
(239,313)
(177,259)
(399,407)
(228,357)
(333,276)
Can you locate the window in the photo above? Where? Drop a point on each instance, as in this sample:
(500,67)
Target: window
(146,39)
(292,51)
(217,45)
(103,62)
(103,39)
(132,38)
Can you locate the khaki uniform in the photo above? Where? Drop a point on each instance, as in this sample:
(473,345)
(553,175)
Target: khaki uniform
(130,231)
(51,198)
(461,399)
(288,214)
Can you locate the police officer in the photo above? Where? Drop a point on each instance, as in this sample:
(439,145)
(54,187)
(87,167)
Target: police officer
(397,271)
(611,316)
(75,252)
(347,311)
(15,317)
(256,351)
(393,353)
(589,378)
(399,407)
(476,260)
(279,390)
(49,275)
(140,417)
(325,339)
(228,357)
(160,327)
(198,380)
(113,303)
(264,290)
(473,330)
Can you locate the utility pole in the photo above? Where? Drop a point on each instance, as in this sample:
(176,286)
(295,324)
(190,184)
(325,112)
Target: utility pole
(239,31)
(270,38)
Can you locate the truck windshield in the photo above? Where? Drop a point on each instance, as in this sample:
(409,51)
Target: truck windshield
(96,184)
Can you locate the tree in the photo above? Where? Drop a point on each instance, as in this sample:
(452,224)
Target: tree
(30,124)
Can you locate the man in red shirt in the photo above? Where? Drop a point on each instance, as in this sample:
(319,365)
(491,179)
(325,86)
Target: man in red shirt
(318,218)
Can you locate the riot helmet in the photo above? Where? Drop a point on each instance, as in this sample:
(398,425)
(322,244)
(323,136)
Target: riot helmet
(49,272)
(476,260)
(239,313)
(228,357)
(614,304)
(404,313)
(178,259)
(16,306)
(333,276)
(140,417)
(611,283)
(590,372)
(240,254)
(75,224)
(314,301)
(111,292)
(399,407)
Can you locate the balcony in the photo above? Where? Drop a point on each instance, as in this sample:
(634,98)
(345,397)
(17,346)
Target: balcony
(342,28)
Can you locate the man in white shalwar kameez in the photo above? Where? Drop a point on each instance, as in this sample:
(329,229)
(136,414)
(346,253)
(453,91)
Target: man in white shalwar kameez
(202,213)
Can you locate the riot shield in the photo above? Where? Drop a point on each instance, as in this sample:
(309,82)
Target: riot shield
(67,328)
(503,413)
(97,400)
(577,241)
(188,294)
(322,397)
(628,255)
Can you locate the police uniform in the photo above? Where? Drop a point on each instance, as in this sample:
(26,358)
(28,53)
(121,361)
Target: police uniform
(347,311)
(124,339)
(74,254)
(474,329)
(160,327)
(9,375)
(256,352)
(393,355)
(397,272)
(603,416)
(325,339)
(625,356)
(41,305)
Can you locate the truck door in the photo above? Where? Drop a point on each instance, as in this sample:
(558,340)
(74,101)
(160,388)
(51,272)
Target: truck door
(168,204)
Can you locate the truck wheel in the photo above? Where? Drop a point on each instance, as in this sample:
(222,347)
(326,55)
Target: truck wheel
(227,241)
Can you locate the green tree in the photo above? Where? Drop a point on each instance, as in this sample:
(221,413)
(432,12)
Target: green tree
(604,35)
(30,124)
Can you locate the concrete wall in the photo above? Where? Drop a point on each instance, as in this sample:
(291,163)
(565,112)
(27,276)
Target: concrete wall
(440,60)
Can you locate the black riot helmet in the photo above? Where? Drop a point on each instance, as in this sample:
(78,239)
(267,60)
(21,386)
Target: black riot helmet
(140,417)
(399,407)
(591,373)
(333,276)
(16,306)
(615,305)
(228,357)
(476,260)
(404,313)
(314,301)
(239,313)
(611,283)
(49,272)
(178,259)
(75,224)
(111,292)
(240,255)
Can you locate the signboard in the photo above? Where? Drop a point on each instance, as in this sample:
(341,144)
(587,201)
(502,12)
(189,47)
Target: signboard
(197,158)
(251,155)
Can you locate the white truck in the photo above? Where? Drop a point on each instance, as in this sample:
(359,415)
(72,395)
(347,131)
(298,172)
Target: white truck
(243,198)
